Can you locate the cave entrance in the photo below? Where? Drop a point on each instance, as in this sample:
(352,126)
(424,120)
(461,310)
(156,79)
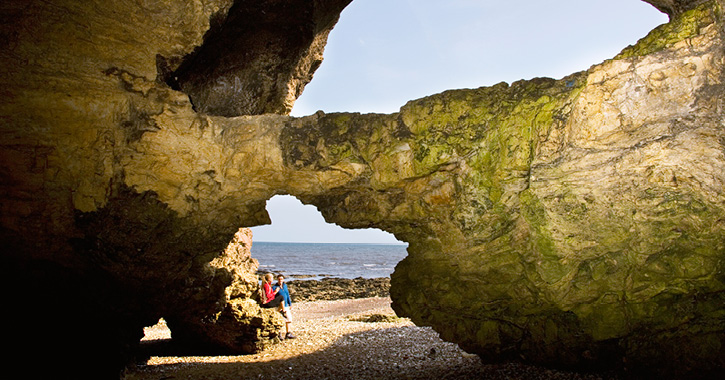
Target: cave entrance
(301,245)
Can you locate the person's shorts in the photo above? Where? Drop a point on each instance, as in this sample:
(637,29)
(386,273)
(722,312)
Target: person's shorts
(287,314)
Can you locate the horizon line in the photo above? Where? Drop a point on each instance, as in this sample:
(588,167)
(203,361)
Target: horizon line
(327,242)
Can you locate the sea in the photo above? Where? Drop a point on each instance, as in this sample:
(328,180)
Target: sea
(314,261)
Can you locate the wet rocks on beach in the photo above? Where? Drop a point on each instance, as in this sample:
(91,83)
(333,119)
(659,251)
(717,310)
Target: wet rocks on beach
(338,288)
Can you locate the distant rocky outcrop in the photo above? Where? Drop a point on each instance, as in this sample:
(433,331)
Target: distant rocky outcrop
(573,222)
(338,288)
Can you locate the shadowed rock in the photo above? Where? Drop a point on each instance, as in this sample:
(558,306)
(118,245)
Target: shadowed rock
(257,58)
(574,223)
(338,288)
(241,327)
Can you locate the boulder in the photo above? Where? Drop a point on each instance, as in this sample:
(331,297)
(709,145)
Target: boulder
(242,326)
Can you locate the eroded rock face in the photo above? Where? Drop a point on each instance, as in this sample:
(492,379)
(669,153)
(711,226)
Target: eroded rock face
(600,238)
(258,58)
(574,222)
(84,83)
(241,327)
(675,7)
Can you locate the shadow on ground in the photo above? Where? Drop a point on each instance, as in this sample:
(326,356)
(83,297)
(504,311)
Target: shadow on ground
(393,353)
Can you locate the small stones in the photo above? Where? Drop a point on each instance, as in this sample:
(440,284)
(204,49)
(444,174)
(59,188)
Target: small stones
(375,318)
(366,341)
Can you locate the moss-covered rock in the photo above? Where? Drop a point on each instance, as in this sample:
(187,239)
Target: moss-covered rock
(590,223)
(687,25)
(574,222)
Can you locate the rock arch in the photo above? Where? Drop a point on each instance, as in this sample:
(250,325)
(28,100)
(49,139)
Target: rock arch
(586,213)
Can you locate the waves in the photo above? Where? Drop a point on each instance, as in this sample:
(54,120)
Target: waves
(319,260)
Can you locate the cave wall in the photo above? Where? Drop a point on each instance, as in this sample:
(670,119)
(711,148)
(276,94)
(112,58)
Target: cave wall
(88,244)
(257,59)
(574,222)
(601,240)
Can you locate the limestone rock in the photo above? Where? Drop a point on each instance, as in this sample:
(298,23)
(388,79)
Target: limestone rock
(242,326)
(606,243)
(258,58)
(237,259)
(84,82)
(574,222)
(338,288)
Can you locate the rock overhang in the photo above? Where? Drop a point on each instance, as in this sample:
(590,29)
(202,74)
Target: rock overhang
(517,200)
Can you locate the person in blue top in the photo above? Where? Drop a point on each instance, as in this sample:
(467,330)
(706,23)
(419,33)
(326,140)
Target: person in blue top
(282,287)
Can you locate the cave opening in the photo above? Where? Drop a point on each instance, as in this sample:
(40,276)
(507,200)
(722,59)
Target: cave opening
(300,244)
(426,61)
(426,47)
(261,59)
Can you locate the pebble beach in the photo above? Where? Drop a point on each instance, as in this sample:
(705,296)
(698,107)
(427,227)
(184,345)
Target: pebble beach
(337,339)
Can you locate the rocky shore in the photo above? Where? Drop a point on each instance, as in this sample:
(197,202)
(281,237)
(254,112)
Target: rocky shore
(345,329)
(338,288)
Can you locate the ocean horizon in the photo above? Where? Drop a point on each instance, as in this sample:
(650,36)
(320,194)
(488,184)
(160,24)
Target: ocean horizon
(313,261)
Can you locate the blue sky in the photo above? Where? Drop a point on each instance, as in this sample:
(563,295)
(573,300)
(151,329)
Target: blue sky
(294,222)
(383,53)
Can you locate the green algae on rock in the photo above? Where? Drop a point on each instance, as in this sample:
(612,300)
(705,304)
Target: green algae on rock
(574,222)
(574,262)
(687,25)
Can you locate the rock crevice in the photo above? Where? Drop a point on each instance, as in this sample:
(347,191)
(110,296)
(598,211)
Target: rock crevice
(256,58)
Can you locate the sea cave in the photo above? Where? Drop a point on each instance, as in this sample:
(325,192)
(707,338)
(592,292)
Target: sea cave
(588,212)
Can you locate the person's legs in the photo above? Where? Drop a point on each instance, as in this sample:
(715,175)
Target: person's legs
(277,302)
(288,322)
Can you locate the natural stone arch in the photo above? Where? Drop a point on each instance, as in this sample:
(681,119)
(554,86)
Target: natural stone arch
(116,199)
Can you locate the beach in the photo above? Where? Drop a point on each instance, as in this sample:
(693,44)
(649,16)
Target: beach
(355,338)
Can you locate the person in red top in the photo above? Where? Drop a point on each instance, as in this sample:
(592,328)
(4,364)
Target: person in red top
(272,298)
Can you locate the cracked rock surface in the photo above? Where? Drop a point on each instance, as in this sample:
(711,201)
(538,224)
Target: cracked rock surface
(573,222)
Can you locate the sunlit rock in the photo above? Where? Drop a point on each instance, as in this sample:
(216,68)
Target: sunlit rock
(592,233)
(241,327)
(574,222)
